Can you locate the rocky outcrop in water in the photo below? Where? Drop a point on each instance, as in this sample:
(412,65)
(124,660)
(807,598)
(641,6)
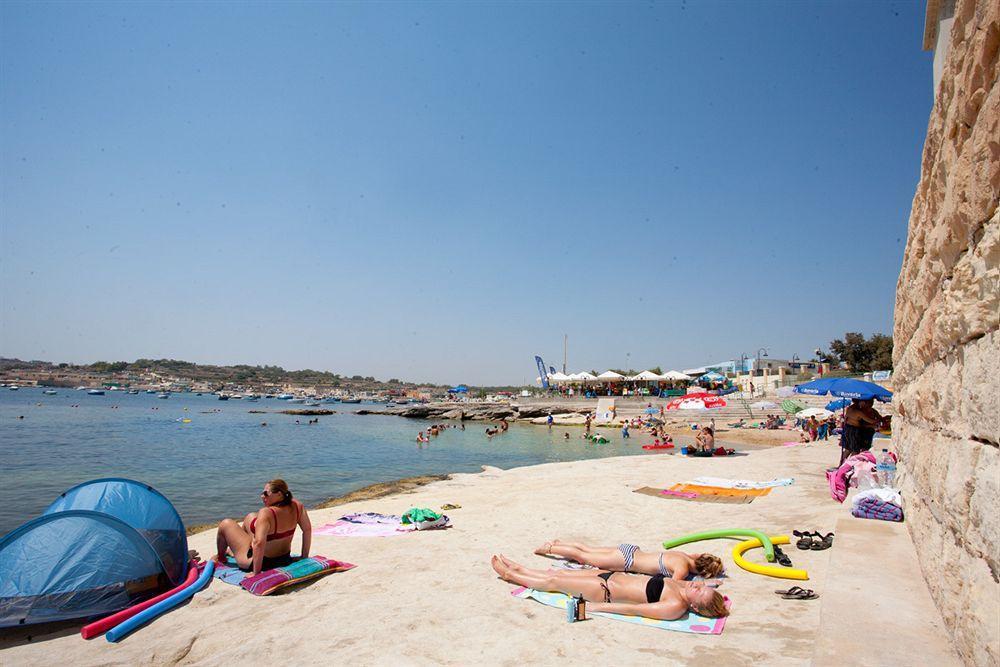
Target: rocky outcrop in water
(947,344)
(469,411)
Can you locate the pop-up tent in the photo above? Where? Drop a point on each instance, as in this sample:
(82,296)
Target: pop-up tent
(100,547)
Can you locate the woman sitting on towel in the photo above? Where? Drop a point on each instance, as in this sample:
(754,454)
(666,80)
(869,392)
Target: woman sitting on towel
(619,592)
(264,540)
(629,558)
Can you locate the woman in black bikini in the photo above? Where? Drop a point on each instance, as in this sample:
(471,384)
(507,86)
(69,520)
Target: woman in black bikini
(621,593)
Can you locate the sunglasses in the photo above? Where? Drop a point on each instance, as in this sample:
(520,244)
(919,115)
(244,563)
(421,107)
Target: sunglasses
(267,493)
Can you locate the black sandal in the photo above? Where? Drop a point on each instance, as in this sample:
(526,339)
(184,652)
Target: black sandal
(782,557)
(805,540)
(797,593)
(822,542)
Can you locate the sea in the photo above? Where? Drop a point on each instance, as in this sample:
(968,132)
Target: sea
(211,458)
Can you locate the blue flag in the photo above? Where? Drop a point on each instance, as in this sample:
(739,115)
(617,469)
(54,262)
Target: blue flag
(541,372)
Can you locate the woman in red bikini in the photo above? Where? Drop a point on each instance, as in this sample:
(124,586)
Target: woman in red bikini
(264,540)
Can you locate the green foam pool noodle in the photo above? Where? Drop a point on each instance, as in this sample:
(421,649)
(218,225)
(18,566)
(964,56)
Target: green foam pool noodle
(728,532)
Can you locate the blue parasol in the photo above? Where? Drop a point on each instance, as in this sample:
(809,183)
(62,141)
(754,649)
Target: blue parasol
(652,410)
(845,388)
(833,406)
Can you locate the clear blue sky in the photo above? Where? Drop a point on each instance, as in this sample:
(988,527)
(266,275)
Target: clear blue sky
(441,191)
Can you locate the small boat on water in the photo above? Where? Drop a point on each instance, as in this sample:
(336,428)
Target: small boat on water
(296,400)
(150,391)
(96,392)
(163,395)
(13,387)
(49,392)
(81,388)
(350,400)
(285,397)
(331,400)
(133,391)
(223,397)
(251,397)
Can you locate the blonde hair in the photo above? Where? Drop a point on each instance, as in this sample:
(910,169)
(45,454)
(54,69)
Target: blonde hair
(708,566)
(716,608)
(279,486)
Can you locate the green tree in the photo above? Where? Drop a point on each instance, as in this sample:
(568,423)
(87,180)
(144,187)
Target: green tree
(861,354)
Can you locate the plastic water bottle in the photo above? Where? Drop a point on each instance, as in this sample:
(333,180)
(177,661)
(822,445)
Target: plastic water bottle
(886,468)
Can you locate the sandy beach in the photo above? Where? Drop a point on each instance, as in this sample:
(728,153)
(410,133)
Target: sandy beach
(431,597)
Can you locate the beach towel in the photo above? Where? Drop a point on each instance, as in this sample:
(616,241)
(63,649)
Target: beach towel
(742,483)
(694,497)
(270,581)
(718,490)
(346,528)
(690,623)
(372,518)
(874,508)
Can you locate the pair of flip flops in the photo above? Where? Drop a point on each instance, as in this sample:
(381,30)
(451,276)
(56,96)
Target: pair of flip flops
(797,593)
(812,541)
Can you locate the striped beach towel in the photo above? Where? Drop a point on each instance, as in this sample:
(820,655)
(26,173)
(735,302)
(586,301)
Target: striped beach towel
(269,581)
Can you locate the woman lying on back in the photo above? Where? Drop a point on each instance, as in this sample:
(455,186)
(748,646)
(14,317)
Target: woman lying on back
(619,592)
(629,558)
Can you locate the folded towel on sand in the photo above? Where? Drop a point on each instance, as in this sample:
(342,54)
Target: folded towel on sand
(743,483)
(690,623)
(269,581)
(743,499)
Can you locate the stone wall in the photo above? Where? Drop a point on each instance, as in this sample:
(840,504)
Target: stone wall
(947,343)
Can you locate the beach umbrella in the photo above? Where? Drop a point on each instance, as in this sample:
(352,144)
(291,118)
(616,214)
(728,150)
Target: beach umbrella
(651,410)
(818,413)
(846,388)
(763,405)
(610,376)
(712,376)
(838,404)
(702,401)
(791,407)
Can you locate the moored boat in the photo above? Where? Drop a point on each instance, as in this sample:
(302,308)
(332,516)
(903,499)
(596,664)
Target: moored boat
(96,392)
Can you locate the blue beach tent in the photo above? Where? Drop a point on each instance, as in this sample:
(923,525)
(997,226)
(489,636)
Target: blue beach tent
(100,547)
(846,388)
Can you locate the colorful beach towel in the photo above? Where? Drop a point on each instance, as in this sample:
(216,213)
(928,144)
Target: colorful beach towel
(690,623)
(304,569)
(345,528)
(274,580)
(718,490)
(743,499)
(372,518)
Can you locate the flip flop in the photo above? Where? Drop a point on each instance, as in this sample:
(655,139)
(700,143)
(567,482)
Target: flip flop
(822,542)
(805,539)
(796,593)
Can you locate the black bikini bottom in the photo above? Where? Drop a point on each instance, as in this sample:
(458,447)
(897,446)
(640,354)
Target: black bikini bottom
(269,562)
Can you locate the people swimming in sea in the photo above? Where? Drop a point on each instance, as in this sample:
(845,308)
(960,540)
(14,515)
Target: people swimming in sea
(653,596)
(422,438)
(629,558)
(264,540)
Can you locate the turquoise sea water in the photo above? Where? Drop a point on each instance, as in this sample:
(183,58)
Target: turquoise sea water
(216,465)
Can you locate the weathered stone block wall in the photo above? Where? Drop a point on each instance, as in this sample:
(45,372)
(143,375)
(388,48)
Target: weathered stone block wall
(947,343)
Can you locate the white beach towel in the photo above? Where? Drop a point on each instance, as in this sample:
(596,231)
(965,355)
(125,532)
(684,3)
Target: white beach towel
(725,483)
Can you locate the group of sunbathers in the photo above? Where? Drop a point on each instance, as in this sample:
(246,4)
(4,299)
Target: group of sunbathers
(627,580)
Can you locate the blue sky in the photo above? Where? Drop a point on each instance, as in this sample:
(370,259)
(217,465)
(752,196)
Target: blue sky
(440,191)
